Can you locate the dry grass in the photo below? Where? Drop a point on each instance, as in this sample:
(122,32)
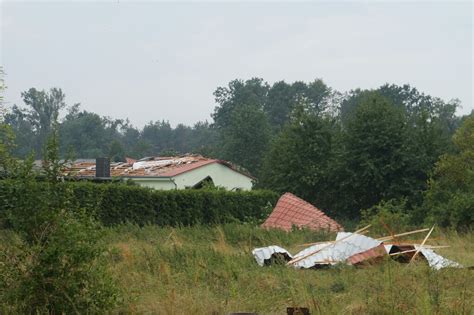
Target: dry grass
(201,270)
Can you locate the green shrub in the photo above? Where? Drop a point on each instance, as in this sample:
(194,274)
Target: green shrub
(449,200)
(118,203)
(386,217)
(62,273)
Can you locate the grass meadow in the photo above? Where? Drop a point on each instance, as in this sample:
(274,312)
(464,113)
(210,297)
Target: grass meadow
(210,270)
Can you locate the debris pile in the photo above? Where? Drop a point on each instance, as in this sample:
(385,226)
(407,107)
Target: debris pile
(291,211)
(356,249)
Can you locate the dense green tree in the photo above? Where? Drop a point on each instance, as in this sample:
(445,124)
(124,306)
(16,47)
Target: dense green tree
(299,160)
(238,93)
(131,141)
(241,125)
(317,96)
(283,97)
(157,135)
(42,108)
(449,200)
(429,126)
(280,102)
(203,139)
(374,157)
(245,139)
(181,137)
(414,103)
(85,133)
(116,152)
(17,120)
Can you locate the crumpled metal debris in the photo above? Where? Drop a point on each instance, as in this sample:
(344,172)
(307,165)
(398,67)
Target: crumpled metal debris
(346,245)
(436,261)
(264,255)
(348,248)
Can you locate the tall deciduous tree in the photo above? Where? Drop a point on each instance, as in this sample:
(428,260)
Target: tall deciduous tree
(245,138)
(283,98)
(86,134)
(238,93)
(375,157)
(300,158)
(43,107)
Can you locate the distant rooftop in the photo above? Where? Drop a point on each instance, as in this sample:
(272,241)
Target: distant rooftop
(148,167)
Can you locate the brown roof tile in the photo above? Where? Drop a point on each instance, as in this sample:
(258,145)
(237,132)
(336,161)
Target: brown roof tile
(291,210)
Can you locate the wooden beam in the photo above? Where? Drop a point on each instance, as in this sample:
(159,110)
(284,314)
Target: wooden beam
(421,246)
(387,238)
(413,250)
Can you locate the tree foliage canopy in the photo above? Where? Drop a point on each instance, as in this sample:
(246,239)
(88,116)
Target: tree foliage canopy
(342,151)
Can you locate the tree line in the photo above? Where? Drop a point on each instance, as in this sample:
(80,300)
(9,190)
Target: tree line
(343,152)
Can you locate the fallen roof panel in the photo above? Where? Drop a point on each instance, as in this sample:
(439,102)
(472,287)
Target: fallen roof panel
(293,211)
(346,245)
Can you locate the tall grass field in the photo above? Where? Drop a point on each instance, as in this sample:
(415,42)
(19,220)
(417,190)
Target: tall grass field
(211,270)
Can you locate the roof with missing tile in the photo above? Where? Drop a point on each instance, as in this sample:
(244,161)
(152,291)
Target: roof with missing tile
(149,167)
(292,211)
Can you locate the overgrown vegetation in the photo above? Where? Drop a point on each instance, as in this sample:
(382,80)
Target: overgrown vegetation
(51,260)
(383,156)
(202,269)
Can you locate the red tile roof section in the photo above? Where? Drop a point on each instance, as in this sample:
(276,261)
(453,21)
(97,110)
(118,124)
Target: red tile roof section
(293,211)
(369,256)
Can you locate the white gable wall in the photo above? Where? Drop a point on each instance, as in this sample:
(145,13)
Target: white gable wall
(155,183)
(221,175)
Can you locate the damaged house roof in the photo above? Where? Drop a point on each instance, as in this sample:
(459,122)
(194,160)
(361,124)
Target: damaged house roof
(149,167)
(292,211)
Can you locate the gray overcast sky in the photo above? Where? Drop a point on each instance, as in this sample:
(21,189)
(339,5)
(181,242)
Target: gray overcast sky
(152,61)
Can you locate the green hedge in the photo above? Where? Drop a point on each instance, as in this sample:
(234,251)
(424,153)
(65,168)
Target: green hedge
(118,203)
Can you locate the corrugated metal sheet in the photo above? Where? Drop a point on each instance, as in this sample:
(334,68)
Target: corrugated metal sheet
(336,252)
(265,253)
(353,249)
(437,261)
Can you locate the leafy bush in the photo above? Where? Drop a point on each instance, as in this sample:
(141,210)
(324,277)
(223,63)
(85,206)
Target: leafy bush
(118,203)
(62,273)
(387,217)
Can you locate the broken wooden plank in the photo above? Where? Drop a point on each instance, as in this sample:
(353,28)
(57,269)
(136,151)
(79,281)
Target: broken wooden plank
(423,243)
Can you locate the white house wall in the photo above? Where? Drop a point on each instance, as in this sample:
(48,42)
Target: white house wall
(221,175)
(156,183)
